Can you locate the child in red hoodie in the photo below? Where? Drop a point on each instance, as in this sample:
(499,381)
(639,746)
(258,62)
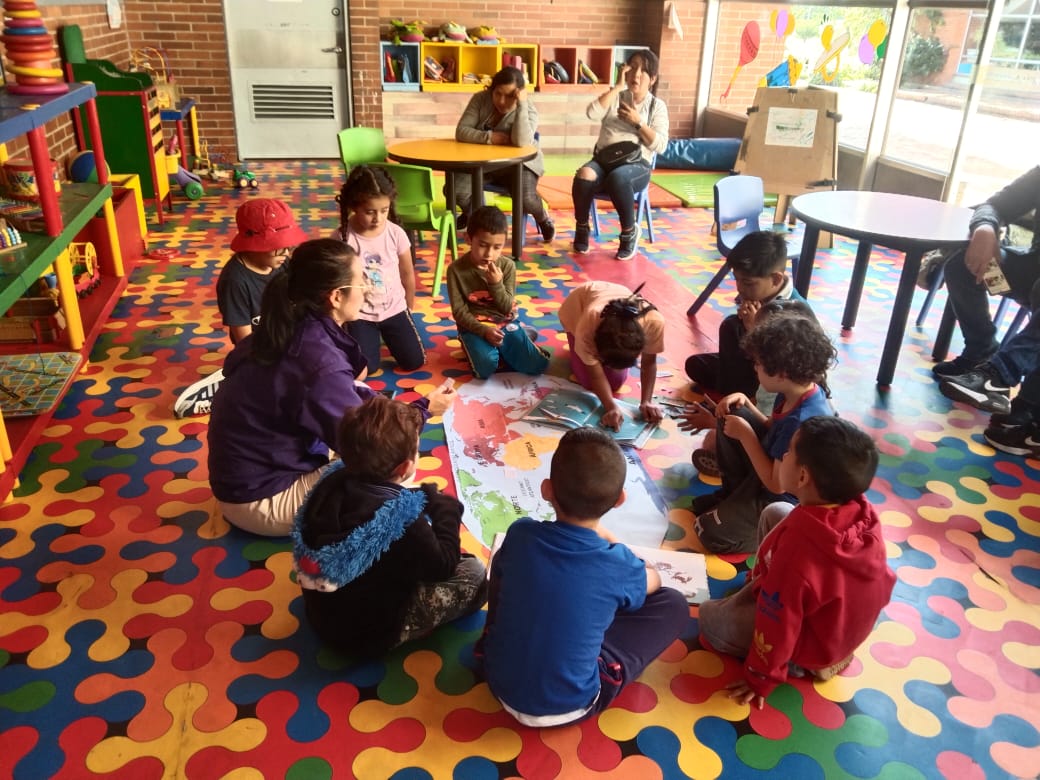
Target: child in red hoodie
(821,577)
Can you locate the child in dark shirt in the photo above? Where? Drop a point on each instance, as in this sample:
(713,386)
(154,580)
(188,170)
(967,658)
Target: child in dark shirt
(379,563)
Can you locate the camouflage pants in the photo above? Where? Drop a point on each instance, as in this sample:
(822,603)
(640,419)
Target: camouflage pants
(435,603)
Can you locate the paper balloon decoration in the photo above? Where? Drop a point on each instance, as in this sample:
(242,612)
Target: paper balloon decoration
(749,40)
(782,22)
(871,44)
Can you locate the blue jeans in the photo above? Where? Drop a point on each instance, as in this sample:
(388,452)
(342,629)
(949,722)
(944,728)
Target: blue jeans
(621,184)
(401,337)
(970,302)
(517,351)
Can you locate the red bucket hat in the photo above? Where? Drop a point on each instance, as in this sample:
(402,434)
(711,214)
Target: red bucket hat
(265,225)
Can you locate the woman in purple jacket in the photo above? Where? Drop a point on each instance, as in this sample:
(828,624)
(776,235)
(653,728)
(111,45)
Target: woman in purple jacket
(285,389)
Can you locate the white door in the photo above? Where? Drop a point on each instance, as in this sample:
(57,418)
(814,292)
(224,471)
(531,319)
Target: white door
(289,83)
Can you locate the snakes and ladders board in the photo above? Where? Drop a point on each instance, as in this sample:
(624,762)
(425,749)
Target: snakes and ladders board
(32,384)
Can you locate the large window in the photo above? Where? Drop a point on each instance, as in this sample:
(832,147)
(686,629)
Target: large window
(825,46)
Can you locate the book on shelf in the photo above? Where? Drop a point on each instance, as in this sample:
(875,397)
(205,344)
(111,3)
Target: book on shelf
(686,572)
(567,408)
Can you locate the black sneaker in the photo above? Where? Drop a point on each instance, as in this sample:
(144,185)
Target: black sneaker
(703,369)
(461,221)
(1012,419)
(1015,439)
(581,238)
(981,388)
(956,367)
(629,244)
(548,230)
(707,502)
(196,398)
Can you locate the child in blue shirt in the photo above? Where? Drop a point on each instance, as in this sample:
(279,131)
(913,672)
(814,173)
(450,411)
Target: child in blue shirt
(791,356)
(573,616)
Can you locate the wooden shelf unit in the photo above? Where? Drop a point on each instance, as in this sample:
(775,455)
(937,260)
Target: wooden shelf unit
(604,61)
(475,58)
(391,53)
(65,215)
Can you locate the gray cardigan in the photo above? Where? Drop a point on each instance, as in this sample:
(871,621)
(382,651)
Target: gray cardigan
(521,123)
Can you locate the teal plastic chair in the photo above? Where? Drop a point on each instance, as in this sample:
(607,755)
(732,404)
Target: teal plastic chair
(416,212)
(361,146)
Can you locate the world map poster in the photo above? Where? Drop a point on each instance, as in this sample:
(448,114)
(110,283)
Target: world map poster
(500,460)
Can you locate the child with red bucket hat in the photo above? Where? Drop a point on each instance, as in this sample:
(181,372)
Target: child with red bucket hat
(267,234)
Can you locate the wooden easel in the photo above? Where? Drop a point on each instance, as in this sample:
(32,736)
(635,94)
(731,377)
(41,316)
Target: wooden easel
(791,143)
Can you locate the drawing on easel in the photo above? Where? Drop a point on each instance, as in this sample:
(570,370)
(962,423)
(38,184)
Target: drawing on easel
(791,127)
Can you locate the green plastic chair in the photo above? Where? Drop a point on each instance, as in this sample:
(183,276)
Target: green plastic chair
(361,146)
(416,212)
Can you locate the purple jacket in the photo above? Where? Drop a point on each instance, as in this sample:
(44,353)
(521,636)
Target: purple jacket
(270,424)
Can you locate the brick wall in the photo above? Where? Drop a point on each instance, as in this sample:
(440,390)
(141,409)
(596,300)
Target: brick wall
(192,34)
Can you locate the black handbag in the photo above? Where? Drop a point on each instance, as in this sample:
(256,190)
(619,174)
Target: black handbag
(621,153)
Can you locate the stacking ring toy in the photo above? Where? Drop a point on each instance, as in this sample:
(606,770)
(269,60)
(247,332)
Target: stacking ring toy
(20,57)
(38,89)
(39,73)
(26,41)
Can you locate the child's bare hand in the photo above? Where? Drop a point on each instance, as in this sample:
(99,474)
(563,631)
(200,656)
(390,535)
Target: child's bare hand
(491,272)
(747,312)
(651,412)
(493,336)
(696,418)
(731,403)
(442,397)
(612,419)
(741,692)
(736,427)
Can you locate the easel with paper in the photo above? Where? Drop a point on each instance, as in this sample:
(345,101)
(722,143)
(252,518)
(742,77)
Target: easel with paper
(791,142)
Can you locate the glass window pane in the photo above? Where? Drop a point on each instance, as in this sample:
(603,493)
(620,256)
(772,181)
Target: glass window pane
(831,47)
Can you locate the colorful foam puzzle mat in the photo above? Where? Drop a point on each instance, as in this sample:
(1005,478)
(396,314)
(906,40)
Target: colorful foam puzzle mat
(142,637)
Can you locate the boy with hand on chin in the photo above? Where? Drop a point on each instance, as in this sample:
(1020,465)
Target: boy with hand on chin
(482,289)
(821,577)
(573,616)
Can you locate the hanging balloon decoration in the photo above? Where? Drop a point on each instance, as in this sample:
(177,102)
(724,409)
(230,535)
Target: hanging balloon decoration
(832,47)
(749,39)
(872,44)
(782,22)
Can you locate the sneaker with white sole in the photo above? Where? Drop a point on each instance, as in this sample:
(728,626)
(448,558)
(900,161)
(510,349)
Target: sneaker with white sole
(982,388)
(1015,439)
(629,244)
(581,238)
(198,397)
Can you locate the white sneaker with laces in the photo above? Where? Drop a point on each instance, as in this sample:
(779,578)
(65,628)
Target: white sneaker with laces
(198,397)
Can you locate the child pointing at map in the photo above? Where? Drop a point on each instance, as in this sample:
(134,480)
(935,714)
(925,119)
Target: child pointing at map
(608,328)
(573,616)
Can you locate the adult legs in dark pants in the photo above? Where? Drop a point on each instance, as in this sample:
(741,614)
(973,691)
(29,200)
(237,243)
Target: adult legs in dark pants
(621,184)
(735,374)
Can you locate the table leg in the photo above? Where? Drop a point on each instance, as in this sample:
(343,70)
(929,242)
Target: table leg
(900,314)
(449,192)
(945,333)
(806,259)
(518,211)
(477,178)
(859,276)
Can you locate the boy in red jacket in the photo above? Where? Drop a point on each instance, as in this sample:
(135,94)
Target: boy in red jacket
(821,577)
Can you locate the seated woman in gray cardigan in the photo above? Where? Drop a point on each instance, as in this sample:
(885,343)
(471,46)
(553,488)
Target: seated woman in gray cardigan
(503,115)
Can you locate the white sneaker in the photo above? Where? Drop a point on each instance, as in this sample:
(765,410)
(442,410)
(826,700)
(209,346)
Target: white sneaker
(197,398)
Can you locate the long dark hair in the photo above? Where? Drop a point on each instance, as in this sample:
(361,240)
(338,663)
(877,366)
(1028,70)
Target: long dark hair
(315,269)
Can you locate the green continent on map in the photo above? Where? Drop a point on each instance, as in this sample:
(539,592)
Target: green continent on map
(494,511)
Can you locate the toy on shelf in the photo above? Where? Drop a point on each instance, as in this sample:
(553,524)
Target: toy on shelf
(85,271)
(453,31)
(10,238)
(409,32)
(153,61)
(485,34)
(30,51)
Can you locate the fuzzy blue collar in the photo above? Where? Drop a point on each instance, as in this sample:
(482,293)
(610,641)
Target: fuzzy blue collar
(346,560)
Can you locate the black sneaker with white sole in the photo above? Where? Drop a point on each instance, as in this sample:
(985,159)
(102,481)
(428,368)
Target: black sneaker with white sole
(197,398)
(956,367)
(581,238)
(1015,439)
(629,243)
(981,388)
